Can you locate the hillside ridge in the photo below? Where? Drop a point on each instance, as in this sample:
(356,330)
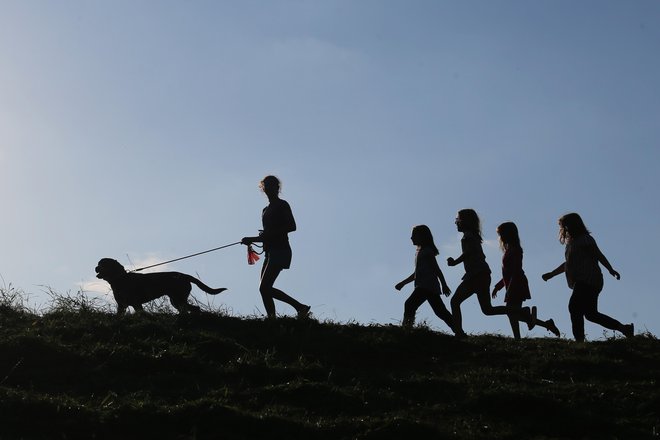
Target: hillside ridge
(90,374)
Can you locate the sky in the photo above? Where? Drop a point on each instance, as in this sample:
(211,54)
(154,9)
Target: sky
(139,130)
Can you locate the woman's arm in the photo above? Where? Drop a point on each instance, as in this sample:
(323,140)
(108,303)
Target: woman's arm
(280,222)
(250,240)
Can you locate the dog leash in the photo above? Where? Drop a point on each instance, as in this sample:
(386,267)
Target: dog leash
(187,256)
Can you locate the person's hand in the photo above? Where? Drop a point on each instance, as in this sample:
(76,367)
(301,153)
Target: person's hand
(547,276)
(615,274)
(246,240)
(451,261)
(494,294)
(399,286)
(446,291)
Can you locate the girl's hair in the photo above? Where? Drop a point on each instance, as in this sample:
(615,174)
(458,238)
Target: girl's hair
(509,238)
(271,182)
(425,238)
(571,226)
(470,221)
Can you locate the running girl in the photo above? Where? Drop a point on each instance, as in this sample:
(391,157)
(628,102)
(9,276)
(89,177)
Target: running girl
(516,284)
(477,273)
(428,279)
(584,276)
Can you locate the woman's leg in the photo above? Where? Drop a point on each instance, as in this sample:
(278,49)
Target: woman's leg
(269,274)
(411,305)
(463,292)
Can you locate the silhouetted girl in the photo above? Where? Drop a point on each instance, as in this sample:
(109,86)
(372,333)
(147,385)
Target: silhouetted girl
(516,284)
(477,273)
(426,276)
(584,276)
(277,220)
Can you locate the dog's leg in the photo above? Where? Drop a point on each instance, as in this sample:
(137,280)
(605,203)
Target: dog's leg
(184,306)
(121,309)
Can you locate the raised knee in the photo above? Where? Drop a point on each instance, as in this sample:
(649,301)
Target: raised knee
(591,316)
(487,310)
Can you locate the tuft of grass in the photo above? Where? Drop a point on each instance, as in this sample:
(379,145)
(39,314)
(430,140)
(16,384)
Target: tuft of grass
(14,300)
(69,302)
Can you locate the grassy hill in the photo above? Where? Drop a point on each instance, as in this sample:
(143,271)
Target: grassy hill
(84,373)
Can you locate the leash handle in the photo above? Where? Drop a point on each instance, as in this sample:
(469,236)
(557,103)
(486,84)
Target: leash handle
(187,256)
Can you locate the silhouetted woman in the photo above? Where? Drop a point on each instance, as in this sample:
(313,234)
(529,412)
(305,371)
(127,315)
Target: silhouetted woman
(426,276)
(584,276)
(516,284)
(477,273)
(277,220)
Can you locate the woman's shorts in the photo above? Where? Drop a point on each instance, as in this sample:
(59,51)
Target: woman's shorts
(280,258)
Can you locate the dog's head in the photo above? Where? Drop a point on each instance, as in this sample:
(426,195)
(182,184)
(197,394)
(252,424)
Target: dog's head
(109,269)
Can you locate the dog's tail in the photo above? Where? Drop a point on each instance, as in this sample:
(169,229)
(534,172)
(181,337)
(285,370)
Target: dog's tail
(204,287)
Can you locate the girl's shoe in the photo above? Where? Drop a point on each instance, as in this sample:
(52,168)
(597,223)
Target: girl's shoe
(303,312)
(629,330)
(552,327)
(531,323)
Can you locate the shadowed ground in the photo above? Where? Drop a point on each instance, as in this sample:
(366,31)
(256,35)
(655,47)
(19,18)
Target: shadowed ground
(90,374)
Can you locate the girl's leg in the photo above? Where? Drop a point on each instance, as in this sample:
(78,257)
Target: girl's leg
(515,315)
(576,308)
(440,310)
(269,274)
(411,305)
(592,314)
(483,294)
(549,325)
(463,292)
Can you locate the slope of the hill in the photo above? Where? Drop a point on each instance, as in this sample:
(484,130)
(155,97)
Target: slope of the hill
(88,374)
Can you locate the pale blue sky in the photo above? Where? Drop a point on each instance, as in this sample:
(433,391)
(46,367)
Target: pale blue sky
(142,128)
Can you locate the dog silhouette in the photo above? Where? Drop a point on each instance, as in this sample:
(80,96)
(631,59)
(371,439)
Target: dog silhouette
(135,289)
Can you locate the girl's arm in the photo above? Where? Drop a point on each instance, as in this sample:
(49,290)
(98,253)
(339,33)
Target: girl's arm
(455,261)
(602,260)
(410,279)
(469,245)
(438,272)
(559,270)
(499,286)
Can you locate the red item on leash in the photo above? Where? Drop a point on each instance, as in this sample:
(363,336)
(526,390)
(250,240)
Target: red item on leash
(252,256)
